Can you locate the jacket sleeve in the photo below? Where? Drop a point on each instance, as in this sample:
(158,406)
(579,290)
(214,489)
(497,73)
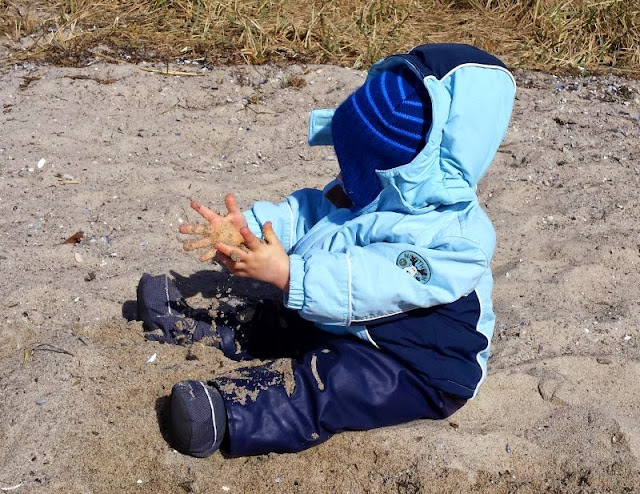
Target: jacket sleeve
(362,284)
(292,218)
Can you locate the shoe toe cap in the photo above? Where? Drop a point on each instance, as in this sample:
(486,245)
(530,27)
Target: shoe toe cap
(196,425)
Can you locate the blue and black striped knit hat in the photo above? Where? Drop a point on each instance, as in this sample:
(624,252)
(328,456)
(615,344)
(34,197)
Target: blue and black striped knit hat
(382,125)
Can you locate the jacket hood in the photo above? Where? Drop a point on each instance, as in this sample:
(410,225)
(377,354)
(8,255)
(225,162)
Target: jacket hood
(472,96)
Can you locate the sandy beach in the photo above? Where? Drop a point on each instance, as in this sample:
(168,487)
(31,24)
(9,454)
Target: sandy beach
(117,152)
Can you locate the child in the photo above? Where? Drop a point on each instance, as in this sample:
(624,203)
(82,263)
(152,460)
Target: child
(385,273)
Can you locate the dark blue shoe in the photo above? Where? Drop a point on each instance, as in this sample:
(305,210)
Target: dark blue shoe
(166,316)
(198,418)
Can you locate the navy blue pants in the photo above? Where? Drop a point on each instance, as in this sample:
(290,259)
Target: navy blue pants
(326,384)
(315,384)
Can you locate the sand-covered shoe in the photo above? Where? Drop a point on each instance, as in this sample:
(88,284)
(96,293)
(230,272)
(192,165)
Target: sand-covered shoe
(165,314)
(198,418)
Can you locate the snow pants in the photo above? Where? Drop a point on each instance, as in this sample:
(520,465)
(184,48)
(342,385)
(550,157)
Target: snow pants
(315,384)
(308,384)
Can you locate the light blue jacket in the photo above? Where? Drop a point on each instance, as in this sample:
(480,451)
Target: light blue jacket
(349,267)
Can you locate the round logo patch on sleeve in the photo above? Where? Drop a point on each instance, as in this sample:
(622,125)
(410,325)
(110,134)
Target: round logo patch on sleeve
(415,265)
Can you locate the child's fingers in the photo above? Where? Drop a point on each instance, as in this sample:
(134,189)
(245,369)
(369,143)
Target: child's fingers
(197,244)
(250,240)
(232,205)
(231,265)
(204,211)
(225,260)
(269,235)
(194,229)
(233,253)
(208,255)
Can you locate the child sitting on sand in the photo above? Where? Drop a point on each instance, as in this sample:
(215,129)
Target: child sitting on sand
(387,312)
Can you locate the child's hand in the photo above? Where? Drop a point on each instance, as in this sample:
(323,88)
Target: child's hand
(225,229)
(263,260)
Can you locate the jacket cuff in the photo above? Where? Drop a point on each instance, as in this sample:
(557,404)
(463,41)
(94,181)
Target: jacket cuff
(253,224)
(294,299)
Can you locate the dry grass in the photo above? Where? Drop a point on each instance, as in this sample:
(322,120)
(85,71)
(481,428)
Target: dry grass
(592,35)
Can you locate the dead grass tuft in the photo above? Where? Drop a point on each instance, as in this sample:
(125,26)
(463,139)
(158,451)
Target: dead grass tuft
(293,81)
(558,35)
